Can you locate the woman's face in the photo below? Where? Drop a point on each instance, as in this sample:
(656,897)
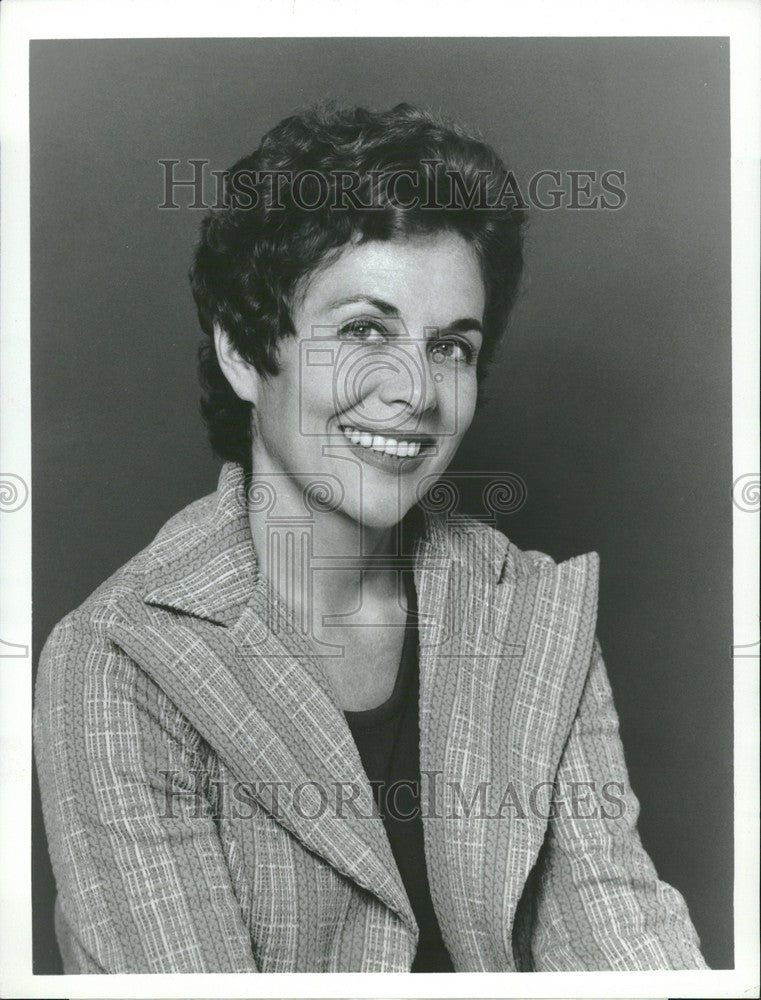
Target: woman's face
(378,387)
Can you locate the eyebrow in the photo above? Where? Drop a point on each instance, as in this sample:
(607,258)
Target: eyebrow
(462,325)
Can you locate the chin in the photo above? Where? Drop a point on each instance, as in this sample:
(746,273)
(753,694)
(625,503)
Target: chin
(378,512)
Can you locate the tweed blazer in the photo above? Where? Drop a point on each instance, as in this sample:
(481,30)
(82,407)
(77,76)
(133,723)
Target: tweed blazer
(186,739)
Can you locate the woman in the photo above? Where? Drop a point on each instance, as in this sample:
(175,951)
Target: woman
(320,724)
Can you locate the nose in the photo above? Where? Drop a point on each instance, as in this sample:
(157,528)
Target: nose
(406,382)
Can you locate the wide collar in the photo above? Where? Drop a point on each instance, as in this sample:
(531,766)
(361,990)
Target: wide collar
(234,662)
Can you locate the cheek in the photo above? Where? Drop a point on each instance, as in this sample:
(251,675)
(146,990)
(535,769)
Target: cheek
(293,395)
(313,390)
(457,399)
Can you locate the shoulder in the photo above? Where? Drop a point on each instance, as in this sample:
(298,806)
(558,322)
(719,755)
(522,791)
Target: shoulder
(91,699)
(78,651)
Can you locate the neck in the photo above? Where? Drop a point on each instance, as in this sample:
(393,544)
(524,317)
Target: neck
(317,558)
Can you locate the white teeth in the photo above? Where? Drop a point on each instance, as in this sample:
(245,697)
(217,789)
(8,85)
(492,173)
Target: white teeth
(384,445)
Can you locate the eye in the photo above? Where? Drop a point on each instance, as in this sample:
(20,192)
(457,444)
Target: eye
(453,350)
(362,329)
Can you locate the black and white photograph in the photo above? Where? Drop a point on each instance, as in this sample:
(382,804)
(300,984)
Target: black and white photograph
(379,501)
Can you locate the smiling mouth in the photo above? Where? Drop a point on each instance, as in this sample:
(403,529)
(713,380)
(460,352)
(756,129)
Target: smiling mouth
(407,446)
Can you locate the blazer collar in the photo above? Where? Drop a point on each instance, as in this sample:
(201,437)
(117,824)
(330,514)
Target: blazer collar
(203,561)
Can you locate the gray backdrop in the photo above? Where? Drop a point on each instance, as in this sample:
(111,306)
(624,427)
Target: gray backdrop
(611,398)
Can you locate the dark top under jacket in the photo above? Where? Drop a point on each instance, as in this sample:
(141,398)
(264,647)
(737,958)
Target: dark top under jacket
(388,740)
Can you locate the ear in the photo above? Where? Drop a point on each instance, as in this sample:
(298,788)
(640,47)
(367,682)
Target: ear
(242,376)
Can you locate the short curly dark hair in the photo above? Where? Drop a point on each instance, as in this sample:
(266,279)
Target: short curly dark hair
(265,237)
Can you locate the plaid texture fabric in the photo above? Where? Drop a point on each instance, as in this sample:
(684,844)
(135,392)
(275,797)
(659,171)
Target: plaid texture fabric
(174,706)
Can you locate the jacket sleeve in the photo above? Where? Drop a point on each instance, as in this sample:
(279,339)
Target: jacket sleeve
(143,885)
(600,904)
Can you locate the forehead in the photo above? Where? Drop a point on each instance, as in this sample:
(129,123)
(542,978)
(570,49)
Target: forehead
(436,273)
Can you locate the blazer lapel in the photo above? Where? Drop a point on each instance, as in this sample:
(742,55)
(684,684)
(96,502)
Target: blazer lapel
(503,662)
(242,674)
